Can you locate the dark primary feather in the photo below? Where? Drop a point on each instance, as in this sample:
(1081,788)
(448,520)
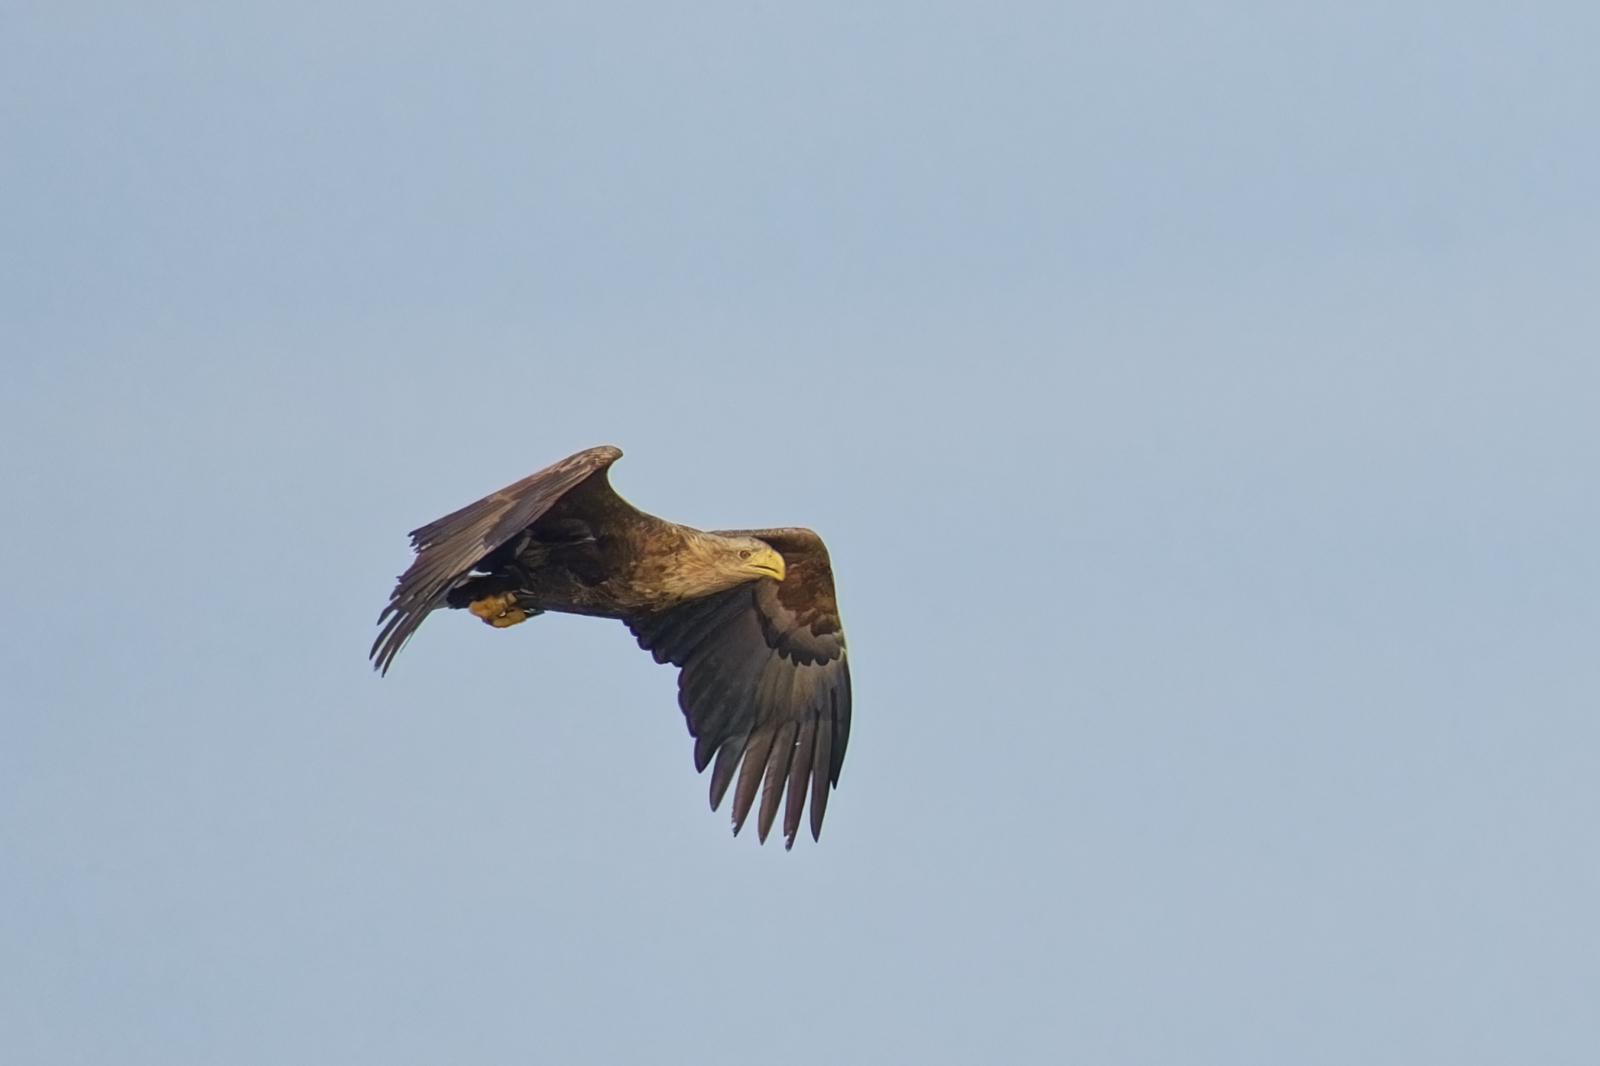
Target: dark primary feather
(447,549)
(764,678)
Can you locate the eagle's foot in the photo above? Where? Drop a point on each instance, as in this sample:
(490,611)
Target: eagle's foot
(499,610)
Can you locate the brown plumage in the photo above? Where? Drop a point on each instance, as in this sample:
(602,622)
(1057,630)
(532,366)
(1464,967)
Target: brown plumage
(748,615)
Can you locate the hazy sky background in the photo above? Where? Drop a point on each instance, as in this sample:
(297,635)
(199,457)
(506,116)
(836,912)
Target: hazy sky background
(1199,401)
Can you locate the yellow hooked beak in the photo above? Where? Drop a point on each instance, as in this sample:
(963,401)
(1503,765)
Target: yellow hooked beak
(766,562)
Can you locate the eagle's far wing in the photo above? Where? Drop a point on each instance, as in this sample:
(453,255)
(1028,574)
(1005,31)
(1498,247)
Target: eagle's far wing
(764,678)
(448,549)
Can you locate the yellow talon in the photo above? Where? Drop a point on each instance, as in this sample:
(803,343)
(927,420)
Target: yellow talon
(499,611)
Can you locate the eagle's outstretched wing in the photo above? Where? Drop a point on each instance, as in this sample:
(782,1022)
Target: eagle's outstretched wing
(447,549)
(764,678)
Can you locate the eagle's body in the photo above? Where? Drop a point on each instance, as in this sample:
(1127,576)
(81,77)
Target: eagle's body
(749,615)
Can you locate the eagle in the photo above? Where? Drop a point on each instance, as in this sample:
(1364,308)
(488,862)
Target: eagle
(748,616)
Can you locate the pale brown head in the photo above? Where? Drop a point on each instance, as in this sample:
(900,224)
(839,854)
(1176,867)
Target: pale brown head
(710,562)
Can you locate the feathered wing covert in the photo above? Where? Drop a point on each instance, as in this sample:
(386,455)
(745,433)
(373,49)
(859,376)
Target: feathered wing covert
(764,681)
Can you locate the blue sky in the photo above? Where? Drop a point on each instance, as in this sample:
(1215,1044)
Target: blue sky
(1198,401)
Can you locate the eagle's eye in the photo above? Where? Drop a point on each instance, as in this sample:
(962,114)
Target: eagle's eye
(745,554)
